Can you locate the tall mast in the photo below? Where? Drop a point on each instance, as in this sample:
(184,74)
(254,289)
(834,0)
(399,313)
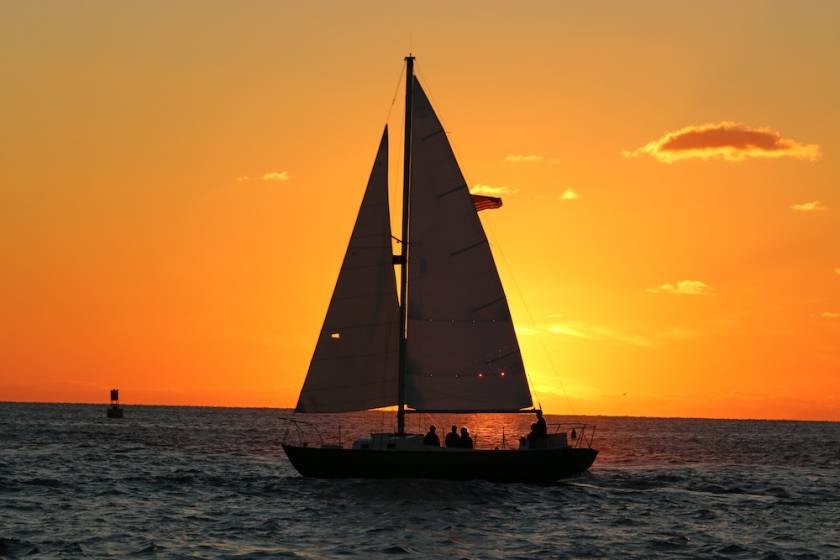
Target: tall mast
(409,86)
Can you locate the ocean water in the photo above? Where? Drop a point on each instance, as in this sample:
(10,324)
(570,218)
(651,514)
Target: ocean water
(179,482)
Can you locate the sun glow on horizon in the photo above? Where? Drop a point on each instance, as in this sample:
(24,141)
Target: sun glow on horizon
(173,220)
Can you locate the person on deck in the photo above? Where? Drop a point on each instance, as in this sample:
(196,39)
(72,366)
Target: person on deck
(465,439)
(452,438)
(541,430)
(432,438)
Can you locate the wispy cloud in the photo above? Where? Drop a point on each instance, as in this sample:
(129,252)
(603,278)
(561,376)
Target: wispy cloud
(586,331)
(558,325)
(523,158)
(729,141)
(813,206)
(275,176)
(569,194)
(684,287)
(267,176)
(492,191)
(831,315)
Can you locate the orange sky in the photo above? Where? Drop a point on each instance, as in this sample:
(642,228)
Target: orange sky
(178,184)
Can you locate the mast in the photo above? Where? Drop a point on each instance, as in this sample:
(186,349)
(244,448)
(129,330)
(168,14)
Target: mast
(409,86)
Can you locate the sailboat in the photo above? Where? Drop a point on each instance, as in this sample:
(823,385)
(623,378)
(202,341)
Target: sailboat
(446,344)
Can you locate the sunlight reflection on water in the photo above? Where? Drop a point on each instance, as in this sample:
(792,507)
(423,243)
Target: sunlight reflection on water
(205,482)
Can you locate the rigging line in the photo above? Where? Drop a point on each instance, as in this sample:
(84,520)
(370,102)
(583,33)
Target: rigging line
(392,327)
(533,324)
(396,92)
(427,88)
(418,70)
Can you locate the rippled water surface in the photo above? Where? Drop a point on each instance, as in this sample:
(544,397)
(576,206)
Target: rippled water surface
(175,482)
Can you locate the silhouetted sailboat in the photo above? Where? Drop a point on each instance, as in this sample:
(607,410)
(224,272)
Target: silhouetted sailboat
(446,346)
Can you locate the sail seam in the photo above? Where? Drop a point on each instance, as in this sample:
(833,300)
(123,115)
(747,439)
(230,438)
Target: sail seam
(361,235)
(339,328)
(486,305)
(458,369)
(435,133)
(450,191)
(346,356)
(470,411)
(465,249)
(361,267)
(361,296)
(503,356)
(344,386)
(483,321)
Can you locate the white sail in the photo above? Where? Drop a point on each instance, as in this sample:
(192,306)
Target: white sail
(462,350)
(354,366)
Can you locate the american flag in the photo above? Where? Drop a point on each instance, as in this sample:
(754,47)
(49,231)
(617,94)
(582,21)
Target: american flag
(482,202)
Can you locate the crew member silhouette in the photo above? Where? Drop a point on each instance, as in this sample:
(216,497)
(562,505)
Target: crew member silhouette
(452,438)
(466,440)
(541,430)
(431,438)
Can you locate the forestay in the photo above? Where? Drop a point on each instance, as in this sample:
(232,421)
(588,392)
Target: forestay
(354,366)
(462,349)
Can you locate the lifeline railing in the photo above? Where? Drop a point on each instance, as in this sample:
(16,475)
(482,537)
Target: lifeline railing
(581,435)
(299,430)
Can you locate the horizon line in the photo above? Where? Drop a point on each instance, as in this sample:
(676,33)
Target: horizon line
(291,409)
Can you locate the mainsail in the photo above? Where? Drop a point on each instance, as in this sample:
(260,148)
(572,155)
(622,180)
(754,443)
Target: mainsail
(462,349)
(354,366)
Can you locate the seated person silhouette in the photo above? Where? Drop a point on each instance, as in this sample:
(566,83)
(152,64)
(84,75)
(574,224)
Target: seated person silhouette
(539,432)
(466,440)
(452,438)
(431,437)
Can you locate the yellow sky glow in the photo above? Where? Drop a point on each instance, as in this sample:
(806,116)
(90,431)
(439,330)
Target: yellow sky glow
(178,183)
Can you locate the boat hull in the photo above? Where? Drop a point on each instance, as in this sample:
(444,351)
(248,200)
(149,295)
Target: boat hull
(531,465)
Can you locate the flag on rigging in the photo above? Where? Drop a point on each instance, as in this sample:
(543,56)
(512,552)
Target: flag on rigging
(482,202)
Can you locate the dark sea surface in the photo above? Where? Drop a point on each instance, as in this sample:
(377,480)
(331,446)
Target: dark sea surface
(179,482)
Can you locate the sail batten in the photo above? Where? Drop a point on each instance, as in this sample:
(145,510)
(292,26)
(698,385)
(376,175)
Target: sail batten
(461,346)
(354,366)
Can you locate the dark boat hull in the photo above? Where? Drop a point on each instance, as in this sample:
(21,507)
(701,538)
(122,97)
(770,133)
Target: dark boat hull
(532,465)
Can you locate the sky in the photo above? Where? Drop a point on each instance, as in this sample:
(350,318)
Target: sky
(178,182)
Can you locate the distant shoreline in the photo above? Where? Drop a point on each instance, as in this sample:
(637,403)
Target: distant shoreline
(288,409)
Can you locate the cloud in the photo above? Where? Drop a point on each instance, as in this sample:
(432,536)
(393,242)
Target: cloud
(684,287)
(268,176)
(813,206)
(492,191)
(831,315)
(585,331)
(725,140)
(570,194)
(520,158)
(276,176)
